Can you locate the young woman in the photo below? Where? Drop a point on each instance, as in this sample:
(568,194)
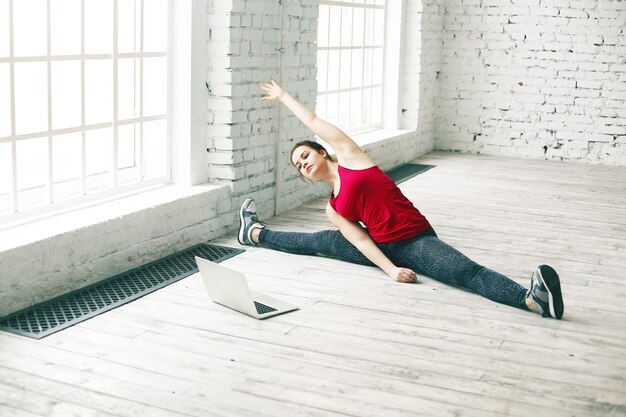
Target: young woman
(397,237)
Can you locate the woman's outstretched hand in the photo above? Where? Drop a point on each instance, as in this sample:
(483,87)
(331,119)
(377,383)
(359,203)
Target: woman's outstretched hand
(273,91)
(403,275)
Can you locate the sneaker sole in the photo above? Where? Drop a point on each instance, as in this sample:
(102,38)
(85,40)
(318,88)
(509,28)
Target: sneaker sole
(550,280)
(240,235)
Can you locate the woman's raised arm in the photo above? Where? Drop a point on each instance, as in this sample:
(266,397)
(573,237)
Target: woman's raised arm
(335,137)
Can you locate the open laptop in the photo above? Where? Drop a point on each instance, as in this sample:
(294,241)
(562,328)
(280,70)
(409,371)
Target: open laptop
(230,288)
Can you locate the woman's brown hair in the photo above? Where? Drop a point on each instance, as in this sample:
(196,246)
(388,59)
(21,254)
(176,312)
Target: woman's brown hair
(313,145)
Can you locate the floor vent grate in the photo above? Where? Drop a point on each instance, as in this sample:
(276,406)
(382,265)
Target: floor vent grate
(67,310)
(407,171)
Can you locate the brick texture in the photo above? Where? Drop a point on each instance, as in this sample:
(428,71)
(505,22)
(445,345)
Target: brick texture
(541,79)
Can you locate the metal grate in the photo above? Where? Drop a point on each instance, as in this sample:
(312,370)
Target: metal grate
(407,171)
(59,313)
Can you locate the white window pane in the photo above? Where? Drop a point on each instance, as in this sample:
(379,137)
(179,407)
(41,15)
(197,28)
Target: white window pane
(127,86)
(98,150)
(66,165)
(5,168)
(128,153)
(128,26)
(345,73)
(155,25)
(357,68)
(322,25)
(32,197)
(5,177)
(320,108)
(377,75)
(344,109)
(65,27)
(99,26)
(155,149)
(376,100)
(332,108)
(98,158)
(367,67)
(66,110)
(357,28)
(369,27)
(127,145)
(154,86)
(29,27)
(4,28)
(356,104)
(333,70)
(5,100)
(334,35)
(66,156)
(31,97)
(32,163)
(322,62)
(367,106)
(346,26)
(379,27)
(98,91)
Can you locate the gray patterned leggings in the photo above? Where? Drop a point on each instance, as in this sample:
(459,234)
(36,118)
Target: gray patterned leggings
(426,254)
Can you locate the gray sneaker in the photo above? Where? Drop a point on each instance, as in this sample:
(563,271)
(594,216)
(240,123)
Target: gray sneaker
(545,291)
(248,221)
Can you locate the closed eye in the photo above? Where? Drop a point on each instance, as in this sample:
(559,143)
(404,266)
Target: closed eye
(304,155)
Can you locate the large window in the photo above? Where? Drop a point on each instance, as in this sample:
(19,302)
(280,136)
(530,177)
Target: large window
(83,100)
(350,44)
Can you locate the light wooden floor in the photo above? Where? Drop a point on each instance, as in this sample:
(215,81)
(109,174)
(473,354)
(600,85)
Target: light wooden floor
(362,345)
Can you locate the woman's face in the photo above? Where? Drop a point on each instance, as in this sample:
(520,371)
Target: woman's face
(309,162)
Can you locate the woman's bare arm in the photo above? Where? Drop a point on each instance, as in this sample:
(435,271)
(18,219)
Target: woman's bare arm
(364,243)
(342,144)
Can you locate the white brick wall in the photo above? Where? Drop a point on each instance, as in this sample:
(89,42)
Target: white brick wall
(421,62)
(542,79)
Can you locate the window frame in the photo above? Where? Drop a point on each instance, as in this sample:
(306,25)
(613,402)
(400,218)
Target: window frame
(186,112)
(390,116)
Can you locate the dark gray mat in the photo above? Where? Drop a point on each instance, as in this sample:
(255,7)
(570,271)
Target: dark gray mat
(407,171)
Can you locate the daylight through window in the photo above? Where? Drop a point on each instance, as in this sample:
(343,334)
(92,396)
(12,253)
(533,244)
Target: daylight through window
(350,55)
(83,100)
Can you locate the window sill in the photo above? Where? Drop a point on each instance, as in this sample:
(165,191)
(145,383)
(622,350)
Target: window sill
(391,148)
(378,135)
(37,228)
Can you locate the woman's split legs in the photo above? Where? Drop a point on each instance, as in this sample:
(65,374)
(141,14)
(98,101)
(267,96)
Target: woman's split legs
(425,254)
(430,256)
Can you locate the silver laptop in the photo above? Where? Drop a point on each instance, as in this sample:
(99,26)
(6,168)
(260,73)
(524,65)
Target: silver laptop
(230,288)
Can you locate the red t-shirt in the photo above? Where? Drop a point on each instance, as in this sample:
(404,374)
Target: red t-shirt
(370,196)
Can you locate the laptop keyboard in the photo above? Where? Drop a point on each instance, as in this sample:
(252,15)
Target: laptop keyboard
(262,308)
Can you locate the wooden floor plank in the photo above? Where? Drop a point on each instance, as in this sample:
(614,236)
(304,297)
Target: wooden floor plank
(362,345)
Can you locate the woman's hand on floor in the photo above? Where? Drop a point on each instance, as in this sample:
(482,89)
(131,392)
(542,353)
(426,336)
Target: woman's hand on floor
(402,275)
